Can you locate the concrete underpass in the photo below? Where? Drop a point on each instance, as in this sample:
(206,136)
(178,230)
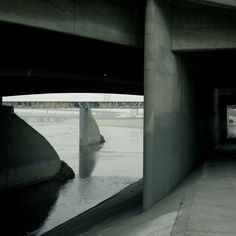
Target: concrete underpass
(181,56)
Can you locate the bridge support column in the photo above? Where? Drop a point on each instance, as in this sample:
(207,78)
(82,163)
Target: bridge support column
(90,139)
(169,108)
(89,131)
(26,156)
(83,126)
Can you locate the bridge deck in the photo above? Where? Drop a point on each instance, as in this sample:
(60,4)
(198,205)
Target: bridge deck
(100,105)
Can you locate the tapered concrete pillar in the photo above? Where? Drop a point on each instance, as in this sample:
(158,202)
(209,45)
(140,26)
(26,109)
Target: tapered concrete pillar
(89,131)
(83,126)
(90,139)
(26,157)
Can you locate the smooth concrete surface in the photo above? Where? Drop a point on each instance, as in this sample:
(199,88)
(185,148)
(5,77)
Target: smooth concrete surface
(199,27)
(108,20)
(170,139)
(89,132)
(26,156)
(211,209)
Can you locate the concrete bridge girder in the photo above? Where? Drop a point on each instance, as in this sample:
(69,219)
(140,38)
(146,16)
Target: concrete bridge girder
(112,21)
(214,27)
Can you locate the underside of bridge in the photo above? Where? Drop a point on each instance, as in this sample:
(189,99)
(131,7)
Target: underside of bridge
(36,60)
(186,69)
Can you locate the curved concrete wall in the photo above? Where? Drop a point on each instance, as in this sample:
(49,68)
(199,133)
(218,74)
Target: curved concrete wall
(26,156)
(89,131)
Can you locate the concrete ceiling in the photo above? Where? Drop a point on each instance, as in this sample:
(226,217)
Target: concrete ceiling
(40,61)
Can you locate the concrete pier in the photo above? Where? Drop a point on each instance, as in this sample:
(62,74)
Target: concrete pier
(26,156)
(89,131)
(171,117)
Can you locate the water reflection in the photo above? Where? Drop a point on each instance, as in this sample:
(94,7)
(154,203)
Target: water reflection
(110,168)
(88,158)
(26,209)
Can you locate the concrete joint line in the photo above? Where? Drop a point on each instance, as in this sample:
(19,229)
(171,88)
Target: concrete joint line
(180,207)
(182,219)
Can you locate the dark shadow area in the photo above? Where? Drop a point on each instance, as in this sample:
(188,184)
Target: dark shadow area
(34,60)
(225,151)
(213,74)
(212,69)
(25,210)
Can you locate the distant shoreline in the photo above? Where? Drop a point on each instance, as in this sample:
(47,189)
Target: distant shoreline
(129,122)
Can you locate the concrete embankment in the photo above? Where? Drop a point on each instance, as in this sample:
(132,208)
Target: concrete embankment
(26,156)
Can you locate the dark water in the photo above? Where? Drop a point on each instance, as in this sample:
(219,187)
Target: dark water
(25,210)
(101,171)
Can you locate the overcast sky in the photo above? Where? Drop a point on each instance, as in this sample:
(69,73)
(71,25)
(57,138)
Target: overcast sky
(88,97)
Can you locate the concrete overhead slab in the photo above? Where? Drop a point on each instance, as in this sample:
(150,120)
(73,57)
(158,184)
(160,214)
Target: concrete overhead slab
(112,21)
(202,27)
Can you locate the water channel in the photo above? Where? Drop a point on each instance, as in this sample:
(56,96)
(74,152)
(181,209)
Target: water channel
(101,171)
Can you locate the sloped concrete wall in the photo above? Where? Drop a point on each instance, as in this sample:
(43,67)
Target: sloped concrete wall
(26,156)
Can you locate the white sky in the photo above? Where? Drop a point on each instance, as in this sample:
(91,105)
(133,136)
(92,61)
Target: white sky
(75,97)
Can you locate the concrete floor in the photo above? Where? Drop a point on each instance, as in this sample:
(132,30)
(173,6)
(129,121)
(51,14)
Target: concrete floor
(203,204)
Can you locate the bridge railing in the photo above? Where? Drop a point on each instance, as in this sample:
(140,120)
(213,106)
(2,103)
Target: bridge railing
(101,105)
